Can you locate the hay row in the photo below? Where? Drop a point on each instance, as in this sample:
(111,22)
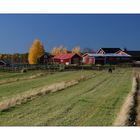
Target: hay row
(30,95)
(138,103)
(124,117)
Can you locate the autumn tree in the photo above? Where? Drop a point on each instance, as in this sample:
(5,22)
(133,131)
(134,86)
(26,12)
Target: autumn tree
(59,50)
(35,52)
(76,50)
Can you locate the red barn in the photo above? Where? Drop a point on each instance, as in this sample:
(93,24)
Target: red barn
(69,58)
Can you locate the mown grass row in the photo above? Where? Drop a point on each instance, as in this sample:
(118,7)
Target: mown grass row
(13,75)
(12,89)
(93,102)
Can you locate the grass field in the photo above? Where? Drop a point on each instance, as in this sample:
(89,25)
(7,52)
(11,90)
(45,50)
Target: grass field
(93,102)
(12,89)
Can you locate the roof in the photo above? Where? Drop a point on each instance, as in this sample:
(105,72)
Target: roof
(108,55)
(5,61)
(46,53)
(110,50)
(118,55)
(64,56)
(134,53)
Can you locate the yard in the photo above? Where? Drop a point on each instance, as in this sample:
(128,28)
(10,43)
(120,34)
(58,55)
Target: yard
(93,102)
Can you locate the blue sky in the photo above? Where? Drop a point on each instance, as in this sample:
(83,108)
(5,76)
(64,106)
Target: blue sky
(17,32)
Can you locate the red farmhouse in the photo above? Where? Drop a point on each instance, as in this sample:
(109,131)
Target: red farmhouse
(69,58)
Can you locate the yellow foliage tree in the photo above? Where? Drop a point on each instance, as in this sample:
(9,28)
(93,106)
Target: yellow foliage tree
(76,50)
(35,52)
(59,50)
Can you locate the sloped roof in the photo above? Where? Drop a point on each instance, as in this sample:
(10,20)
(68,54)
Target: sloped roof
(110,50)
(118,55)
(64,56)
(5,61)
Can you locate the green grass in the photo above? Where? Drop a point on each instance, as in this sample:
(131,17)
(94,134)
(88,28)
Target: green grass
(94,102)
(10,90)
(13,75)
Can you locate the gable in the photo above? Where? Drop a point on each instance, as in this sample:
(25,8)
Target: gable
(121,52)
(76,56)
(100,51)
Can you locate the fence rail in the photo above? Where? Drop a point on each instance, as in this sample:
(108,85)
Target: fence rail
(58,67)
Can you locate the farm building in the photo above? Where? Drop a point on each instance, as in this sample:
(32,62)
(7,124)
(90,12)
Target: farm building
(110,58)
(108,50)
(117,58)
(88,58)
(46,58)
(69,58)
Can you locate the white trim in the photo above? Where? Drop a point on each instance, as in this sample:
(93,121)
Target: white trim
(99,50)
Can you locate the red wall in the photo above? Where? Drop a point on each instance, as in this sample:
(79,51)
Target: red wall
(88,60)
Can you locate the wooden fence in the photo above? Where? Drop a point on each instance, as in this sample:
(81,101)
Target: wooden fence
(57,67)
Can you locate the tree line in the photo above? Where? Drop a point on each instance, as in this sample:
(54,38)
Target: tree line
(15,58)
(37,50)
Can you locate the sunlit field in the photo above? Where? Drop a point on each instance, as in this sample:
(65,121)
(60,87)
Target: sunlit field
(92,102)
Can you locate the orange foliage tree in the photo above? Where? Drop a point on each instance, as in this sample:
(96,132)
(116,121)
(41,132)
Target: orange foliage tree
(59,50)
(1,56)
(35,52)
(76,50)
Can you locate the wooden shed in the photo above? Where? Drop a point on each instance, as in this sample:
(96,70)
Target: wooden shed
(67,59)
(45,58)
